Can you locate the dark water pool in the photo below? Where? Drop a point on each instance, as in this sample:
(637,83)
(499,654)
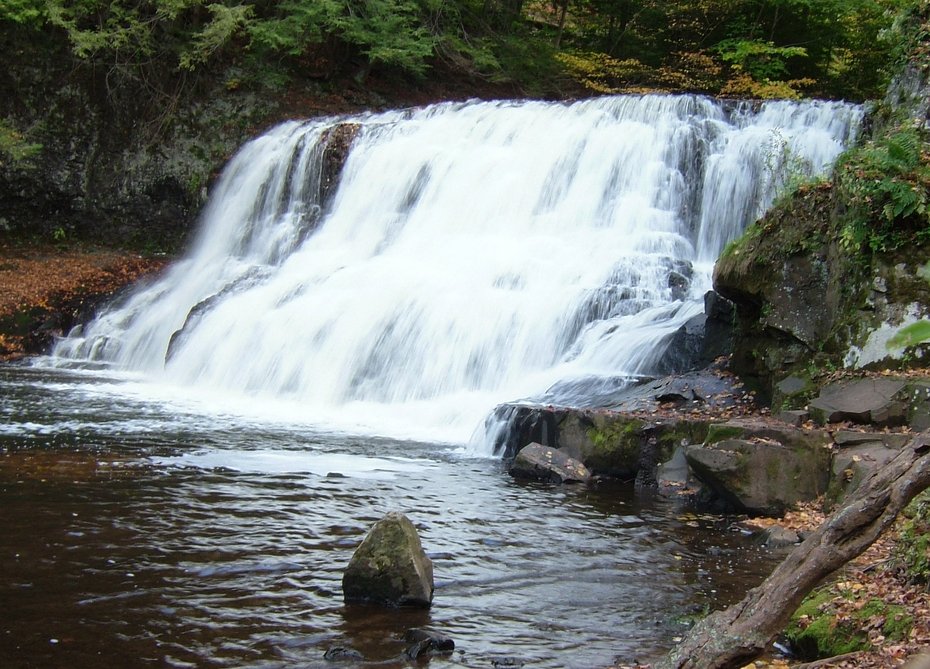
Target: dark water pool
(136,535)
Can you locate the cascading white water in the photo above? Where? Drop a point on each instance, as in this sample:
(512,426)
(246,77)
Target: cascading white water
(472,254)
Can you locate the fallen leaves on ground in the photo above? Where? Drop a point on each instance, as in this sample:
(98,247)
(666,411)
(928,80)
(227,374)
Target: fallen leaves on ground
(46,278)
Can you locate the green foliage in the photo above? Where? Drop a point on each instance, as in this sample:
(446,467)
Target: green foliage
(295,26)
(885,184)
(913,548)
(388,31)
(743,48)
(226,22)
(763,61)
(15,149)
(910,335)
(23,12)
(767,48)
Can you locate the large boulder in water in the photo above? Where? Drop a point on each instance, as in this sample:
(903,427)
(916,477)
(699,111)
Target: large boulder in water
(390,567)
(542,463)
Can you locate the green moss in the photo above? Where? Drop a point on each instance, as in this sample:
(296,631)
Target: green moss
(616,443)
(674,435)
(817,631)
(772,469)
(718,432)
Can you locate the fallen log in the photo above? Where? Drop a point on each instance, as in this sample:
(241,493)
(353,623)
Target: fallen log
(740,633)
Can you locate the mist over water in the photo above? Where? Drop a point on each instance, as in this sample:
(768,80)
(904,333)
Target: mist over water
(472,254)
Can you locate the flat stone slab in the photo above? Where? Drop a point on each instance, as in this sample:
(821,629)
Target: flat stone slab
(867,401)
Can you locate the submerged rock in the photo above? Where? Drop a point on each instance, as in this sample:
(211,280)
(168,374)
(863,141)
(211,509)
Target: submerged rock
(777,536)
(543,463)
(342,654)
(390,566)
(425,643)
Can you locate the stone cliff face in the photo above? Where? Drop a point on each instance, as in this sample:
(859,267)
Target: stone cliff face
(125,164)
(804,304)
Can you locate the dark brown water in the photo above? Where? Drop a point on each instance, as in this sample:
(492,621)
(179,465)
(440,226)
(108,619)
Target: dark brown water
(134,535)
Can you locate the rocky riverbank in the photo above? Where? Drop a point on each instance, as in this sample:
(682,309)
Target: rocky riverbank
(875,612)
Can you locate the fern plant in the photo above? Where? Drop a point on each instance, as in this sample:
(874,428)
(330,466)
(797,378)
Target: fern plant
(885,184)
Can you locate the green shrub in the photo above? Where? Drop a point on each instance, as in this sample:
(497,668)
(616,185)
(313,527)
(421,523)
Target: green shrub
(885,186)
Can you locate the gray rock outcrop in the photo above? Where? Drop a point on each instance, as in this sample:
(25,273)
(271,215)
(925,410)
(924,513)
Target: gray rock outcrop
(390,567)
(867,401)
(777,536)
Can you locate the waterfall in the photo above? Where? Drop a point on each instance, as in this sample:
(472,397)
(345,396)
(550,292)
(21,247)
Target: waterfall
(471,254)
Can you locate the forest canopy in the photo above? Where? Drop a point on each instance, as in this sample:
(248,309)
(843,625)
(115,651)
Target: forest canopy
(740,48)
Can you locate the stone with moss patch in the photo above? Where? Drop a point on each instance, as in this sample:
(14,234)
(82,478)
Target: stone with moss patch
(761,476)
(390,567)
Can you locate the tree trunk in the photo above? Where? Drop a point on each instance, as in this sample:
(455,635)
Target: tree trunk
(563,11)
(737,635)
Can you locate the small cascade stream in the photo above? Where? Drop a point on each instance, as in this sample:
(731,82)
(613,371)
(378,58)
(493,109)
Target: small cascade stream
(471,254)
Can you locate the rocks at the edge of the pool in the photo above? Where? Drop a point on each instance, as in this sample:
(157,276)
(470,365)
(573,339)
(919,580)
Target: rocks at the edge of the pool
(536,462)
(390,567)
(424,643)
(421,644)
(833,438)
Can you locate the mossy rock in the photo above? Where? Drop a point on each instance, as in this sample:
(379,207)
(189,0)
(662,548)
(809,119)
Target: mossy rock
(816,629)
(614,445)
(722,431)
(761,476)
(390,567)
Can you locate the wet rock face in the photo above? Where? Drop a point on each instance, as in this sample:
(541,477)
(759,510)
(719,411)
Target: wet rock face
(390,567)
(336,144)
(542,463)
(113,167)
